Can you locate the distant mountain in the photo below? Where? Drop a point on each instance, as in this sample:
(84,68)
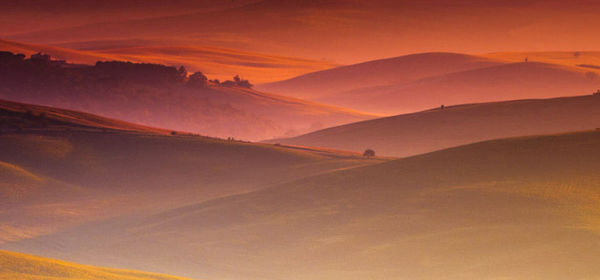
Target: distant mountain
(422,81)
(381,72)
(435,129)
(61,168)
(496,209)
(22,266)
(162,96)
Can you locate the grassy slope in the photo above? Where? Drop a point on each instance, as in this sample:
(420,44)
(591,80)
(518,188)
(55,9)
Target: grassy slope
(28,267)
(63,173)
(521,208)
(44,118)
(431,130)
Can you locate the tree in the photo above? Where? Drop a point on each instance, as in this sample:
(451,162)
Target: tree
(237,82)
(369,153)
(197,80)
(597,93)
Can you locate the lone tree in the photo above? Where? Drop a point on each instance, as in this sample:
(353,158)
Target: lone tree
(369,153)
(597,93)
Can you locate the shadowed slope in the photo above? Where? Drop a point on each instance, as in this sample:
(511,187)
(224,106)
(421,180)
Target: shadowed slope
(28,267)
(18,116)
(496,209)
(435,129)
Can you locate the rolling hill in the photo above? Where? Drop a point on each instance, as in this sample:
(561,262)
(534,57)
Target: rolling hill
(496,83)
(60,168)
(27,267)
(501,209)
(426,131)
(162,96)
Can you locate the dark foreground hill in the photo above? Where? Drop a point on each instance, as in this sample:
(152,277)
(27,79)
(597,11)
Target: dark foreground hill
(519,208)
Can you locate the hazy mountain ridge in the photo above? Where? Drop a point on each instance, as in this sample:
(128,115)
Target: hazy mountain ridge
(162,96)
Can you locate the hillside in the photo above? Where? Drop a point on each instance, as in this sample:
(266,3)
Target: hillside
(382,72)
(501,209)
(16,116)
(435,129)
(219,63)
(162,96)
(60,168)
(28,267)
(496,83)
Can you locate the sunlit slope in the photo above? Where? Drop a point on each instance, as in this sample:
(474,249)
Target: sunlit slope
(522,208)
(435,129)
(382,72)
(496,83)
(217,63)
(64,168)
(28,267)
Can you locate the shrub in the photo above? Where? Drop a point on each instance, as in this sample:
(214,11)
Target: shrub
(369,153)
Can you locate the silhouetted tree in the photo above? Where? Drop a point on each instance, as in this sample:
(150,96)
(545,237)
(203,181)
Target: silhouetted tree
(197,80)
(597,93)
(237,82)
(577,54)
(182,72)
(369,153)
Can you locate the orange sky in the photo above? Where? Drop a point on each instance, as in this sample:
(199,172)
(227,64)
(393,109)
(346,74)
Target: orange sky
(343,31)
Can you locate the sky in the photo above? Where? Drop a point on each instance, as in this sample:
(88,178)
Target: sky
(344,31)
